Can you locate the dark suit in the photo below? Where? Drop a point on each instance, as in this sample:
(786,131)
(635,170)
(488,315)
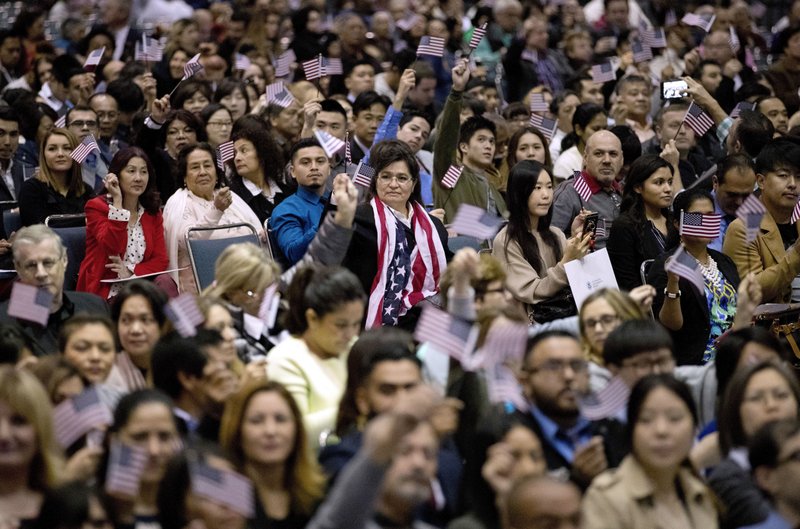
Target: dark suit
(614,442)
(18,176)
(691,340)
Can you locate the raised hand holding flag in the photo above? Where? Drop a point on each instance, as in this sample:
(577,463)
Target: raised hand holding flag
(278,94)
(78,415)
(700,21)
(226,487)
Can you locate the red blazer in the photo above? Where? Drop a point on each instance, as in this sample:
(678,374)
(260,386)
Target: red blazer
(106,237)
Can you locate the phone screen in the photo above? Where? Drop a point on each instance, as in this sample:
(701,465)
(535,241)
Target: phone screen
(590,224)
(673,89)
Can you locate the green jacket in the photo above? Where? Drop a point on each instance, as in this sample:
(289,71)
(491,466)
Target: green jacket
(473,187)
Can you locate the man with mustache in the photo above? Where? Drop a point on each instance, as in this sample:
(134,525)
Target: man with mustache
(602,162)
(774,256)
(295,221)
(554,377)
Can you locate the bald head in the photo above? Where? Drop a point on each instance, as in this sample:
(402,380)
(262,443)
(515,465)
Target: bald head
(602,157)
(543,501)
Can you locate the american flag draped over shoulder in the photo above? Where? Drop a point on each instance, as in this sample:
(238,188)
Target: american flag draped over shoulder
(427,261)
(84,149)
(700,224)
(433,46)
(751,212)
(697,120)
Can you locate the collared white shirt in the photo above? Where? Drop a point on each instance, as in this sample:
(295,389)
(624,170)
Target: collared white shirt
(255,190)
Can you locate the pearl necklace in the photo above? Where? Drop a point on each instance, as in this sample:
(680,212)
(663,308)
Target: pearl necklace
(710,270)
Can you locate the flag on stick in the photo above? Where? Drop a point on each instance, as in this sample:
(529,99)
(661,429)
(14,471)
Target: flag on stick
(684,265)
(84,149)
(94,59)
(697,120)
(278,94)
(751,212)
(225,487)
(126,464)
(451,176)
(30,303)
(582,187)
(475,222)
(61,122)
(796,213)
(313,68)
(445,332)
(741,105)
(539,103)
(225,153)
(78,415)
(330,144)
(184,314)
(641,52)
(433,46)
(603,73)
(545,125)
(191,67)
(700,224)
(700,21)
(332,66)
(241,62)
(733,40)
(364,174)
(655,38)
(284,63)
(477,36)
(607,402)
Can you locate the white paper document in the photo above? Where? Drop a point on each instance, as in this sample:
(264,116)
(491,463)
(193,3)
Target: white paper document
(590,274)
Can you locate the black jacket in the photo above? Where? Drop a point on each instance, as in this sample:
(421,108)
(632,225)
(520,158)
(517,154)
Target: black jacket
(691,340)
(628,246)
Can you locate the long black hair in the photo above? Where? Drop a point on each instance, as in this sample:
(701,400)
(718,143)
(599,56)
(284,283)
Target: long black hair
(521,182)
(633,202)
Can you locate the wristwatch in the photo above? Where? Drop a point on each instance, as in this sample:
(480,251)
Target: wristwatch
(672,295)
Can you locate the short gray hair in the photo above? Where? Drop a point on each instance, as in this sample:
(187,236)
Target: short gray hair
(36,234)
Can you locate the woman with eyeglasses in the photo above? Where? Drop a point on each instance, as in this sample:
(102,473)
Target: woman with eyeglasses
(655,486)
(218,123)
(398,250)
(696,319)
(756,395)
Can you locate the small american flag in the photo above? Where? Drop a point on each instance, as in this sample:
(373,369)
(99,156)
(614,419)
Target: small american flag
(84,149)
(607,402)
(348,158)
(126,464)
(733,40)
(796,213)
(475,222)
(278,94)
(284,62)
(503,386)
(700,224)
(702,22)
(270,303)
(30,303)
(184,314)
(545,125)
(61,122)
(445,332)
(751,212)
(451,176)
(697,120)
(94,59)
(655,38)
(191,67)
(241,62)
(330,144)
(364,174)
(671,18)
(641,52)
(741,105)
(600,231)
(225,487)
(433,46)
(313,68)
(538,103)
(684,265)
(332,66)
(77,416)
(225,153)
(582,187)
(148,50)
(477,36)
(603,73)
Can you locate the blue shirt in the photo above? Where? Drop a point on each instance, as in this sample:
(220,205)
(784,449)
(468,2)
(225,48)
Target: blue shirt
(565,442)
(388,131)
(294,222)
(716,244)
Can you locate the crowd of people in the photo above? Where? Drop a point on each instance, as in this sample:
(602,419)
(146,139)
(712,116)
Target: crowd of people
(366,360)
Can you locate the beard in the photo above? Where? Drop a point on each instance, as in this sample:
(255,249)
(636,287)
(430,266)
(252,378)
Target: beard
(553,409)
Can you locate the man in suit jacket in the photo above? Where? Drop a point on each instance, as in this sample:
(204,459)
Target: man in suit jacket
(554,374)
(12,175)
(774,255)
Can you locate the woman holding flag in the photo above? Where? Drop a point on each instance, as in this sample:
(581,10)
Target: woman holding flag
(707,304)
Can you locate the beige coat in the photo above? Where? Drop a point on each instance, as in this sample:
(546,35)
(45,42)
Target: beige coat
(522,280)
(623,499)
(775,268)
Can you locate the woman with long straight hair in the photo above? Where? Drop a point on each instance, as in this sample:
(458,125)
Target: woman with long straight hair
(531,250)
(644,225)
